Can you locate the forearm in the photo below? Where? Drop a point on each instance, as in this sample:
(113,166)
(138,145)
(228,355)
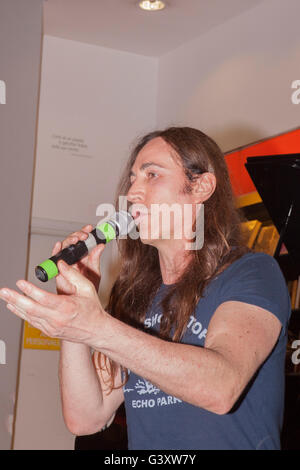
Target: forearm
(80,388)
(197,375)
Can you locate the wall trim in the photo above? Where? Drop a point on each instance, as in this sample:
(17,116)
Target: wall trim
(53,227)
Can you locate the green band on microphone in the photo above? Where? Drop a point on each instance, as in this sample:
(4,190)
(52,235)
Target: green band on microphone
(108,231)
(50,267)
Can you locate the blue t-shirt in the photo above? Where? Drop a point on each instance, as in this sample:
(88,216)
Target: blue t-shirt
(159,421)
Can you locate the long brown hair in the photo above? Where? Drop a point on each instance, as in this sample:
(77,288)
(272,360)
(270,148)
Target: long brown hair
(140,277)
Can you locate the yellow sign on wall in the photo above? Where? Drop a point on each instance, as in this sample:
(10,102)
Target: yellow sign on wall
(35,339)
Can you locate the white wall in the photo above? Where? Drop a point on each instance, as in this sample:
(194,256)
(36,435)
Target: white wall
(20,54)
(39,423)
(103,96)
(107,98)
(234,83)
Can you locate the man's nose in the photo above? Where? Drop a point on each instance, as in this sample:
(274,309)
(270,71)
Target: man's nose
(136,193)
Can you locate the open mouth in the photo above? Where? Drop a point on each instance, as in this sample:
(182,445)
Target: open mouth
(138,218)
(137,212)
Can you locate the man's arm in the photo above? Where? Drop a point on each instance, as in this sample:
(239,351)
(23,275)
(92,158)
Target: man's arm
(86,404)
(239,338)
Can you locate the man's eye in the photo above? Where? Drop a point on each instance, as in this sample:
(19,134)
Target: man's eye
(151,174)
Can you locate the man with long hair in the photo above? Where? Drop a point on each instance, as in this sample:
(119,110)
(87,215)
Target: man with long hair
(193,340)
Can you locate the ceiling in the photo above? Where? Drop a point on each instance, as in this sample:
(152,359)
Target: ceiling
(122,25)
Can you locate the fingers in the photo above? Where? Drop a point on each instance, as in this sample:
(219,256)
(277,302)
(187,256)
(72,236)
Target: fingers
(72,239)
(20,302)
(56,249)
(18,311)
(76,236)
(41,296)
(95,256)
(83,286)
(91,262)
(63,286)
(38,315)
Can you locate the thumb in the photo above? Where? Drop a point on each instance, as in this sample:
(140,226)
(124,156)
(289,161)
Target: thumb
(95,257)
(80,282)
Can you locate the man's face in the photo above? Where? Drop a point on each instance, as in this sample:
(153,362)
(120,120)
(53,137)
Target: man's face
(157,185)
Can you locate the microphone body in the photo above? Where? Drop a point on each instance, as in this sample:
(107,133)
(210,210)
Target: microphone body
(120,224)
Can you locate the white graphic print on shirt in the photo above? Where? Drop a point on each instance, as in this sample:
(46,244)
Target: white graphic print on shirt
(144,387)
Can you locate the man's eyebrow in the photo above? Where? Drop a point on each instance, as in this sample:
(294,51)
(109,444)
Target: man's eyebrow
(145,165)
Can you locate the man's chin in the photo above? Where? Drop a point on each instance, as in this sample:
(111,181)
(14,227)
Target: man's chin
(156,242)
(147,240)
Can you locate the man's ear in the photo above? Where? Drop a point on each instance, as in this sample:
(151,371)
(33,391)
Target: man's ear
(204,186)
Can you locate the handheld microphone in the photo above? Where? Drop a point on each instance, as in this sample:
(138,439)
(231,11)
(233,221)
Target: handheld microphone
(119,224)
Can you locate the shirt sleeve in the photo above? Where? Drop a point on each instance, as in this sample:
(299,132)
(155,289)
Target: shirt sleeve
(256,279)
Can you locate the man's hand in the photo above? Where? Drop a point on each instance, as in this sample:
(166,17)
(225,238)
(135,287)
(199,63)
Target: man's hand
(73,317)
(89,266)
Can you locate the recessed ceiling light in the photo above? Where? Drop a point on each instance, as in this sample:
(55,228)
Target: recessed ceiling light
(152,5)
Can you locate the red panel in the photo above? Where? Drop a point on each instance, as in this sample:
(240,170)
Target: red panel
(240,179)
